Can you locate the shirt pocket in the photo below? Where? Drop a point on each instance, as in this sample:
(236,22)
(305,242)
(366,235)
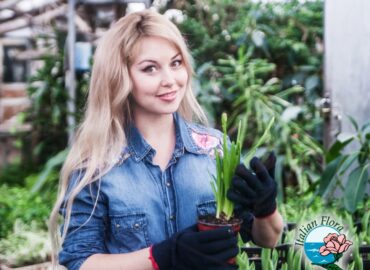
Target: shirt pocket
(130,231)
(206,208)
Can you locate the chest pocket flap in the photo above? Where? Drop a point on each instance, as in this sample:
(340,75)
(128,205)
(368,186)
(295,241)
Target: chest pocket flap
(130,231)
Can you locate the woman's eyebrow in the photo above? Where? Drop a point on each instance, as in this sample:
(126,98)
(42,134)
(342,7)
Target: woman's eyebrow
(147,60)
(175,56)
(154,61)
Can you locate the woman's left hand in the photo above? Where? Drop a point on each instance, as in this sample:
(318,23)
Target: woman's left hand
(255,190)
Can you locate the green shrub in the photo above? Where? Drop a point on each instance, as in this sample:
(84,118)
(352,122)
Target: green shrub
(263,60)
(20,203)
(27,244)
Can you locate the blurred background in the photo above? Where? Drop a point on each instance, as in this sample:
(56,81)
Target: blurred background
(306,63)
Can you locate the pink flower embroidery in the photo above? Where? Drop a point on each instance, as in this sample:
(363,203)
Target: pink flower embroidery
(205,141)
(335,244)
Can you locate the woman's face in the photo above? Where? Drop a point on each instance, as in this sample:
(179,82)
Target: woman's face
(159,77)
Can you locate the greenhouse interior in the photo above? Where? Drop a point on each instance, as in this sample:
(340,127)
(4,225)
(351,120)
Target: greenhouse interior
(288,77)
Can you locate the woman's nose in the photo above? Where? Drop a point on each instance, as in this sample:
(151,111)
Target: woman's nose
(168,78)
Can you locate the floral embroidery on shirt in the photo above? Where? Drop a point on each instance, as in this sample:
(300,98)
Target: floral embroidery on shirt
(207,143)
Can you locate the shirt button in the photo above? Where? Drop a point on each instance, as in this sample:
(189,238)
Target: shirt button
(136,225)
(168,184)
(172,217)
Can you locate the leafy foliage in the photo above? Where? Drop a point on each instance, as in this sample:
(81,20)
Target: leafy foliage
(354,167)
(19,203)
(26,245)
(258,61)
(49,111)
(49,96)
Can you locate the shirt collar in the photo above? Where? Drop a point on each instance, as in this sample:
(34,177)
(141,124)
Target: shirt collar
(185,131)
(139,148)
(137,145)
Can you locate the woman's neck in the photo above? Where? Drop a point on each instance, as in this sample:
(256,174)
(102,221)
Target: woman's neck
(156,128)
(159,133)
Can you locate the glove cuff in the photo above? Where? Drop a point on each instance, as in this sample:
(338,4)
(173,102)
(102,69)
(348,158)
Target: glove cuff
(160,255)
(152,260)
(267,211)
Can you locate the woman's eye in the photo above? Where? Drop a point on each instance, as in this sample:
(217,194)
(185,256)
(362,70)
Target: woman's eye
(177,63)
(149,69)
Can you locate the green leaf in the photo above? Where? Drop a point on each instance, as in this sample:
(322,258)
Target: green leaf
(348,162)
(333,267)
(266,259)
(356,186)
(365,126)
(312,82)
(279,178)
(336,148)
(297,260)
(274,259)
(365,221)
(53,162)
(291,113)
(261,140)
(358,261)
(329,173)
(353,121)
(284,267)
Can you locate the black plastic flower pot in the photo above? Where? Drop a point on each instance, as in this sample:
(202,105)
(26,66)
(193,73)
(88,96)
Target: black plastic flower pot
(365,255)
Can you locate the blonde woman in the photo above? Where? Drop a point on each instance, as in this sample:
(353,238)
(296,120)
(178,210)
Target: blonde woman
(137,174)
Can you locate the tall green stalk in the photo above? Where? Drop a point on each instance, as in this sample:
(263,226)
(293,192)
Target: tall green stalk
(227,163)
(225,166)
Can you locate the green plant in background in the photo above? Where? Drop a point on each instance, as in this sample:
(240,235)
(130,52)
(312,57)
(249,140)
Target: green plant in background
(45,180)
(264,61)
(254,61)
(270,260)
(49,111)
(257,101)
(19,203)
(244,263)
(287,34)
(353,166)
(14,174)
(27,244)
(49,96)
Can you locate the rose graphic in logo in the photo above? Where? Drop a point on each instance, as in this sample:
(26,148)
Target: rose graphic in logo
(334,244)
(324,246)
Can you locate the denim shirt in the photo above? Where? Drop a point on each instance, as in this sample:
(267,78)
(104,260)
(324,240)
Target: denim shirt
(138,204)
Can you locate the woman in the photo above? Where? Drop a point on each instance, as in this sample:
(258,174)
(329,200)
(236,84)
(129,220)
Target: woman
(138,172)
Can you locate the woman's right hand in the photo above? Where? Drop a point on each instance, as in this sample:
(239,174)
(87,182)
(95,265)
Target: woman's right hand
(193,249)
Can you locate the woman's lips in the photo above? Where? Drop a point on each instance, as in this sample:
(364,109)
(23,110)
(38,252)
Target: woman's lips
(169,96)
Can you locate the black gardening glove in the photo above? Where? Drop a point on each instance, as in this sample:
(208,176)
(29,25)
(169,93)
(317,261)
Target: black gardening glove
(254,191)
(191,249)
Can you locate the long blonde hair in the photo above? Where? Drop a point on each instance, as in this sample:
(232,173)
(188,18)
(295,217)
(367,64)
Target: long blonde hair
(100,137)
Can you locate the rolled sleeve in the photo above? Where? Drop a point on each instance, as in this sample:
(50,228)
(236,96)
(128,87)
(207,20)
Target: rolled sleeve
(86,231)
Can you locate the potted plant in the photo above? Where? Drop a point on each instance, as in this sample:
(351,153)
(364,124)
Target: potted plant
(225,168)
